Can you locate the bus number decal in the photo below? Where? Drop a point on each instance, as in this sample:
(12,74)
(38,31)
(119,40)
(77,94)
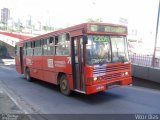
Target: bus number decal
(50,63)
(100,38)
(59,63)
(69,60)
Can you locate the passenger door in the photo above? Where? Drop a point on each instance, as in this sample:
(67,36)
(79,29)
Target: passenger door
(19,58)
(77,63)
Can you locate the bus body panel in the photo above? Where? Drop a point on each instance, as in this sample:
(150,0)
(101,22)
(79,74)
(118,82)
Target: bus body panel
(70,79)
(37,67)
(18,66)
(46,68)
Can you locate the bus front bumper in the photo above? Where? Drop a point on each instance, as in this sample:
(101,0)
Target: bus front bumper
(108,85)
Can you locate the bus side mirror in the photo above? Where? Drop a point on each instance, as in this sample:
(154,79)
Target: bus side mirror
(85,39)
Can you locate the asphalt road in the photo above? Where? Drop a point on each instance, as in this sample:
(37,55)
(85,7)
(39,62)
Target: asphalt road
(41,97)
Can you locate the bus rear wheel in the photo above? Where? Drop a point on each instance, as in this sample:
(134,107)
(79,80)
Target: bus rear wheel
(64,86)
(27,75)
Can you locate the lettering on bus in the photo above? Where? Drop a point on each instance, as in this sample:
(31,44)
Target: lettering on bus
(28,61)
(97,38)
(107,28)
(50,63)
(59,63)
(115,29)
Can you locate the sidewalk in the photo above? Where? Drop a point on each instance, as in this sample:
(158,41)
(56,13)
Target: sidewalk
(7,105)
(9,110)
(11,105)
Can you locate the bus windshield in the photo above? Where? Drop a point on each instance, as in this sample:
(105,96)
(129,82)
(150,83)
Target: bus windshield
(106,49)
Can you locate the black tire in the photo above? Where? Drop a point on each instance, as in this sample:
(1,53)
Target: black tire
(27,75)
(64,86)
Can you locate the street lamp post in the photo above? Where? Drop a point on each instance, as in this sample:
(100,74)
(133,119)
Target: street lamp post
(155,43)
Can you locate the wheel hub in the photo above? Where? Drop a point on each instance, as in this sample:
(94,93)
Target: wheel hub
(64,85)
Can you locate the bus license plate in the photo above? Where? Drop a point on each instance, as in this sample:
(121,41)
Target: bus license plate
(100,87)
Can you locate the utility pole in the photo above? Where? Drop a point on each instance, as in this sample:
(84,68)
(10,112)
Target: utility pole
(155,43)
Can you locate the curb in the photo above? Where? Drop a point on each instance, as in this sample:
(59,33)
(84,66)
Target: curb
(7,61)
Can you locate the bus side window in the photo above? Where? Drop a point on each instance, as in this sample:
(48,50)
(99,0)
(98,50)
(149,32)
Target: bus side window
(62,45)
(25,49)
(33,46)
(29,49)
(37,48)
(51,46)
(27,53)
(46,47)
(56,44)
(45,51)
(17,50)
(76,52)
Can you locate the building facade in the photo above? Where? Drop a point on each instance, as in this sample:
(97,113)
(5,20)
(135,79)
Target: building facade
(5,15)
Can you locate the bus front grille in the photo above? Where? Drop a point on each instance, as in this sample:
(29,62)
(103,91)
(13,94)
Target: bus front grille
(117,68)
(112,76)
(99,71)
(117,71)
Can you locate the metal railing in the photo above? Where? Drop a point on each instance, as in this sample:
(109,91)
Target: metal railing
(144,60)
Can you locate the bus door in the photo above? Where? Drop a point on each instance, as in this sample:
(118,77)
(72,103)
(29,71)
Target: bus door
(21,58)
(77,63)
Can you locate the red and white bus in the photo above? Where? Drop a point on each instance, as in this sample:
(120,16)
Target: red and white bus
(87,58)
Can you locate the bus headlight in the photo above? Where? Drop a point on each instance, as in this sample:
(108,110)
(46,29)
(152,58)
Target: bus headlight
(122,74)
(95,78)
(126,73)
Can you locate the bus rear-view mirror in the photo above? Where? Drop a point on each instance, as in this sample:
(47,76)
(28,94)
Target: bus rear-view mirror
(85,39)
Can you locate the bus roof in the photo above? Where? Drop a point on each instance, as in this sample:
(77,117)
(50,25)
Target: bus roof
(73,28)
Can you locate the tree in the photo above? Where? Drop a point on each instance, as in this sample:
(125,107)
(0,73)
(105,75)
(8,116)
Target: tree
(94,20)
(48,28)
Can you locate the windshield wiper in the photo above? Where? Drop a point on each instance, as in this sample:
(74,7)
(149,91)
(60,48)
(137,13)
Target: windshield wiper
(121,58)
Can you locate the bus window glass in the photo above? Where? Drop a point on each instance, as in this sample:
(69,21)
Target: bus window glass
(37,43)
(17,50)
(62,45)
(37,48)
(76,51)
(119,49)
(29,49)
(25,49)
(98,49)
(28,44)
(51,46)
(45,46)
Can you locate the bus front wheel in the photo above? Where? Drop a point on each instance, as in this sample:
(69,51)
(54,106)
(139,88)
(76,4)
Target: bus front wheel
(64,85)
(27,75)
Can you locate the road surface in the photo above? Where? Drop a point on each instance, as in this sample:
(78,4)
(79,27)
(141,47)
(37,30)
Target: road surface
(41,97)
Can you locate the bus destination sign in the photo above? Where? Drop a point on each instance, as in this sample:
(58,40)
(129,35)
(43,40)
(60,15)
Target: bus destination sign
(98,38)
(107,28)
